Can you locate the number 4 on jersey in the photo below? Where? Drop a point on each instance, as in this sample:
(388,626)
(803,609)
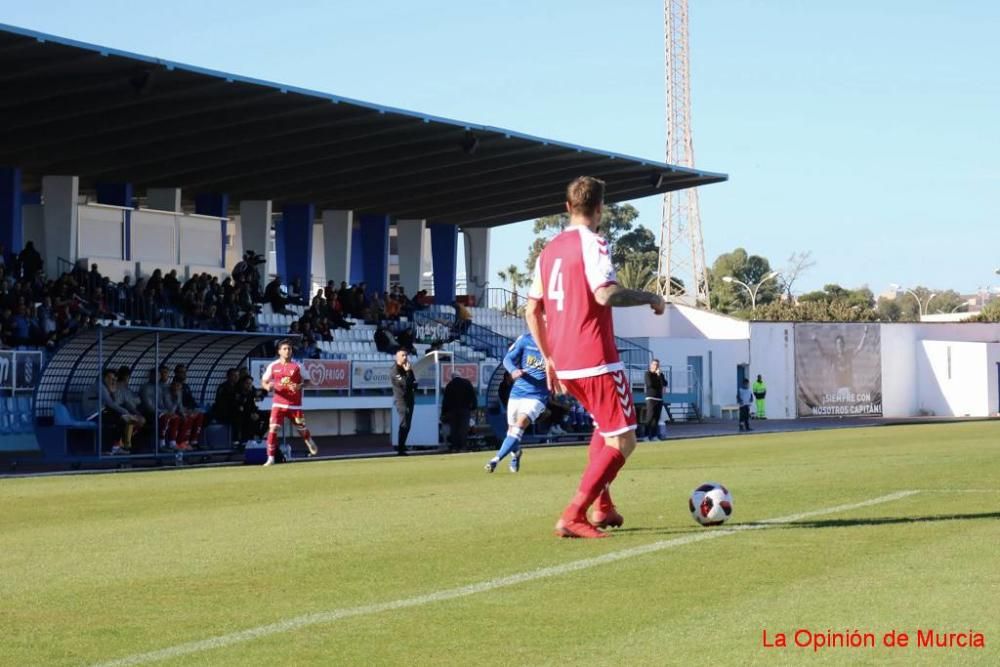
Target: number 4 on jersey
(555,284)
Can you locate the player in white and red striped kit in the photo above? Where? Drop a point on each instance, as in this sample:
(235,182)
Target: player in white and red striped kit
(285,378)
(569,315)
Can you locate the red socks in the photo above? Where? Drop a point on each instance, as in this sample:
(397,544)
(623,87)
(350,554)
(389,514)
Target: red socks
(272,443)
(604,503)
(603,468)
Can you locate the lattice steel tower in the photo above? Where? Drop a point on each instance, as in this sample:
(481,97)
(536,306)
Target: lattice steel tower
(682,250)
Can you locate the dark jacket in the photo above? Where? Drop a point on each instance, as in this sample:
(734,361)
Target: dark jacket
(225,407)
(187,397)
(459,397)
(404,384)
(655,384)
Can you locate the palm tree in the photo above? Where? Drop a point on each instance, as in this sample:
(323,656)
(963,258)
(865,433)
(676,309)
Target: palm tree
(637,275)
(516,278)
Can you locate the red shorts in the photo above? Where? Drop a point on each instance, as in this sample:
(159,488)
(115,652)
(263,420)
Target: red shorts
(280,412)
(608,399)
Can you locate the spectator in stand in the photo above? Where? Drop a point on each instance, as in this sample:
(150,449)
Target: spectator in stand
(295,291)
(463,319)
(319,305)
(273,295)
(323,331)
(393,308)
(337,319)
(17,325)
(309,348)
(457,405)
(93,280)
(30,261)
(376,308)
(359,306)
(417,301)
(194,417)
(161,404)
(385,341)
(171,285)
(344,297)
(405,340)
(225,409)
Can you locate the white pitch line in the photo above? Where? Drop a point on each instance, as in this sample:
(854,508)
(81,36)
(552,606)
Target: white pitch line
(325,617)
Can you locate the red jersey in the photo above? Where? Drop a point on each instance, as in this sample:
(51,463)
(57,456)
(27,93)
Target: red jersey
(581,332)
(287,383)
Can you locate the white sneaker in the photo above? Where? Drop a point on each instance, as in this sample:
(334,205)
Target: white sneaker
(313,449)
(269,462)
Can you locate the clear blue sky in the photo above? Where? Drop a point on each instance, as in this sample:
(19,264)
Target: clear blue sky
(866,132)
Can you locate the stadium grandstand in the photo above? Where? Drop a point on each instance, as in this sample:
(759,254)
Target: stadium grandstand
(155,213)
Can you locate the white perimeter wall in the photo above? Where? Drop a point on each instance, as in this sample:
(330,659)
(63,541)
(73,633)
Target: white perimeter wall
(952,378)
(719,361)
(901,350)
(678,322)
(899,370)
(772,355)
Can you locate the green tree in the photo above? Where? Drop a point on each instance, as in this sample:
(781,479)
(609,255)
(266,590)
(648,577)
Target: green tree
(516,278)
(904,308)
(616,220)
(635,274)
(729,297)
(990,312)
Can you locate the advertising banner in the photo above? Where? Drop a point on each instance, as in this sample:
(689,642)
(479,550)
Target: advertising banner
(323,374)
(371,375)
(838,369)
(20,370)
(468,371)
(327,373)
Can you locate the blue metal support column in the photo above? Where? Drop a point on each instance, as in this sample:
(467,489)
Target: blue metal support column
(215,204)
(375,248)
(11,225)
(293,241)
(357,273)
(444,250)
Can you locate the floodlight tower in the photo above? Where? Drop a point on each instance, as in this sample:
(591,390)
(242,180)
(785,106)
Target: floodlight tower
(682,271)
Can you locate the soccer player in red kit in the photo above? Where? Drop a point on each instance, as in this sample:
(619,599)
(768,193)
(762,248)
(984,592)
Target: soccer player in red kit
(569,315)
(285,378)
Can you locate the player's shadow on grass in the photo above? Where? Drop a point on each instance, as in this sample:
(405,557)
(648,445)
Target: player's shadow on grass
(878,521)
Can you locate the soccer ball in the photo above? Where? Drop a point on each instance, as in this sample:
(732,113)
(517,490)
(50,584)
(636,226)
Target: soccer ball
(711,504)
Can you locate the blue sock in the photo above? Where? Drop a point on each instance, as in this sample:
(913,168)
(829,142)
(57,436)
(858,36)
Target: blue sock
(510,443)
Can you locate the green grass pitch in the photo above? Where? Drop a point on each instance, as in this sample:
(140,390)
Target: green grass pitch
(99,568)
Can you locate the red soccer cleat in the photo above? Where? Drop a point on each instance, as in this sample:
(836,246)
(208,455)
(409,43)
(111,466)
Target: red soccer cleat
(577,529)
(609,519)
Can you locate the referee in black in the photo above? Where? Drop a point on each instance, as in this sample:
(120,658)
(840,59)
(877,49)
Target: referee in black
(404,387)
(655,384)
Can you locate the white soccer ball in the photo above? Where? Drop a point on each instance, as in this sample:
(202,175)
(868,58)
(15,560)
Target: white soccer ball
(711,504)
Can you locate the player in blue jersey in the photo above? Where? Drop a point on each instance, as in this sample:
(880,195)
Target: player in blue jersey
(527,399)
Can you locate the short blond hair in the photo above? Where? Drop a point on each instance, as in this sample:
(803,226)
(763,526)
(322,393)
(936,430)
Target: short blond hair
(585,195)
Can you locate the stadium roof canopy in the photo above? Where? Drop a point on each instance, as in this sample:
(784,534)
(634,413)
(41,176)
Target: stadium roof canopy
(109,116)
